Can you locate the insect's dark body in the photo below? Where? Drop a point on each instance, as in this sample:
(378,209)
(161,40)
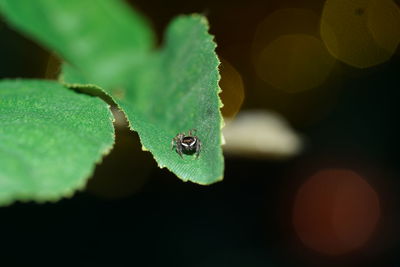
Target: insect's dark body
(186,144)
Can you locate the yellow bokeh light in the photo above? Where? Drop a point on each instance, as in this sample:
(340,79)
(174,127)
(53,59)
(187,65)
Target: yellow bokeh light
(361,33)
(232,94)
(282,22)
(295,62)
(384,23)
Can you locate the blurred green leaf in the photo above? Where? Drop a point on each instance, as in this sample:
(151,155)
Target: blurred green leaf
(50,139)
(93,35)
(162,92)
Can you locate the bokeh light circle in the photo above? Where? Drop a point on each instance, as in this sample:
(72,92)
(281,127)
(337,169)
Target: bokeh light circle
(295,62)
(232,87)
(335,211)
(361,33)
(384,23)
(282,22)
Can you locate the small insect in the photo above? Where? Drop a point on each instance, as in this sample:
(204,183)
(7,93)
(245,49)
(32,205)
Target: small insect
(187,144)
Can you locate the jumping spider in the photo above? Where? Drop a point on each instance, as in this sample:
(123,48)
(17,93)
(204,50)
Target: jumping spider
(187,144)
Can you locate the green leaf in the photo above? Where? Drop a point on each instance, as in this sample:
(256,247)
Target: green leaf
(164,92)
(177,90)
(79,29)
(50,139)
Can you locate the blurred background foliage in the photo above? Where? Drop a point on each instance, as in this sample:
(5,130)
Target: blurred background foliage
(323,76)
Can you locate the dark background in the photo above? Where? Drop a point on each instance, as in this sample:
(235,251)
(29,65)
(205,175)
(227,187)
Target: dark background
(134,214)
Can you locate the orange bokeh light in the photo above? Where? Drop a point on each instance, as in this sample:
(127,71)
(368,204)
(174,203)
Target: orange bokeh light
(232,87)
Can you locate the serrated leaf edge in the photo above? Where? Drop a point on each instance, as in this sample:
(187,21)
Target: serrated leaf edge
(203,20)
(70,191)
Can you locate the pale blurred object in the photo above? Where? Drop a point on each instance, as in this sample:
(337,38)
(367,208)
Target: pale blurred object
(120,120)
(262,134)
(361,33)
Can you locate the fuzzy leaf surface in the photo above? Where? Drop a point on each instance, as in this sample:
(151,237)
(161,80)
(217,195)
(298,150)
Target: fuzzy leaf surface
(162,92)
(50,139)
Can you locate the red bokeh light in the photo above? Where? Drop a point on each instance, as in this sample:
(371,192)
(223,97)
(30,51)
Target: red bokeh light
(335,211)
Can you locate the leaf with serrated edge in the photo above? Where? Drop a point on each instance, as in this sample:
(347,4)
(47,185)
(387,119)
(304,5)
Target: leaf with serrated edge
(50,139)
(184,96)
(162,93)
